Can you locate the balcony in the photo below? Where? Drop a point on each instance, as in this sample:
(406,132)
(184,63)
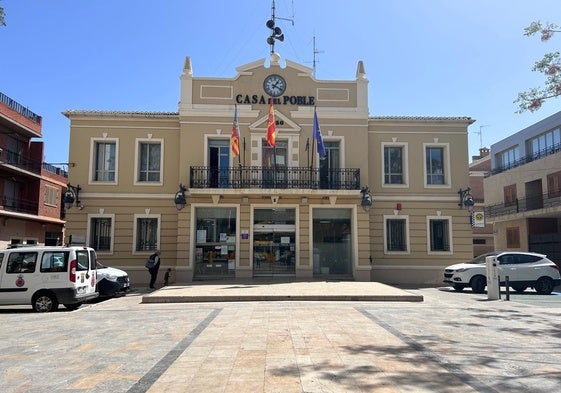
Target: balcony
(548,200)
(22,110)
(20,161)
(528,158)
(275,178)
(19,205)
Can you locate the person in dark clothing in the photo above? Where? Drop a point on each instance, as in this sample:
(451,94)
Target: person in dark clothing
(154,270)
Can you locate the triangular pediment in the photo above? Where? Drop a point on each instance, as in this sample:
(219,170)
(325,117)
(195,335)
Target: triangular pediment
(283,123)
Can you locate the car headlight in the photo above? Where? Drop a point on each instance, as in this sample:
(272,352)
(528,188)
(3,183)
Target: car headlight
(464,269)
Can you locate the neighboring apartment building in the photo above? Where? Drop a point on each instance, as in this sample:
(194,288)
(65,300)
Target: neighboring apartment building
(523,193)
(479,168)
(31,210)
(382,205)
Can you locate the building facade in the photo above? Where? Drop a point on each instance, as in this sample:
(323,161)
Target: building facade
(381,203)
(479,169)
(523,193)
(31,209)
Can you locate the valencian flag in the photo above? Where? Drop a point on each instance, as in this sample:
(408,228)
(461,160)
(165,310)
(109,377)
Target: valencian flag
(235,138)
(318,137)
(271,130)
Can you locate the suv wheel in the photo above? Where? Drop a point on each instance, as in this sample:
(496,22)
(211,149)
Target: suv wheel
(519,288)
(44,302)
(478,284)
(544,285)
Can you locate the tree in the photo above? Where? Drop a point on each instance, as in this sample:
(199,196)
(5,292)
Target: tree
(532,99)
(2,22)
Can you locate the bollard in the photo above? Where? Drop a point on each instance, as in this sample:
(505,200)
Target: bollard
(507,288)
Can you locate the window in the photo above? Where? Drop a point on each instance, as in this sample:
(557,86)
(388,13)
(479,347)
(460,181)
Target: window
(51,196)
(554,185)
(396,229)
(101,233)
(21,262)
(513,237)
(436,164)
(508,158)
(105,161)
(146,233)
(510,195)
(149,161)
(393,165)
(439,233)
(54,261)
(544,144)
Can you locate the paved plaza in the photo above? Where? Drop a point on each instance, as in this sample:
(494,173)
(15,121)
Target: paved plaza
(429,340)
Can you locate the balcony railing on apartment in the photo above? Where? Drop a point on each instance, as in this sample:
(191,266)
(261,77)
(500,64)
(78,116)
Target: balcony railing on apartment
(280,177)
(550,199)
(20,161)
(528,158)
(19,205)
(20,108)
(54,169)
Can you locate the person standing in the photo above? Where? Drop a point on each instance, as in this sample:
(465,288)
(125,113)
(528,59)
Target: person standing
(154,270)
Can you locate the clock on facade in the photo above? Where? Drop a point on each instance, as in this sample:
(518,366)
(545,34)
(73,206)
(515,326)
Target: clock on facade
(274,85)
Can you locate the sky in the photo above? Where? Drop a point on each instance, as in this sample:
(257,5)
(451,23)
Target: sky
(422,57)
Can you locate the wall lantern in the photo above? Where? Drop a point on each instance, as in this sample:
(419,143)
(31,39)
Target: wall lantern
(180,199)
(366,202)
(466,199)
(71,196)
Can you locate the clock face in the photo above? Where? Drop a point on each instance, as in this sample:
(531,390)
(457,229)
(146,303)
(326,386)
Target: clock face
(274,85)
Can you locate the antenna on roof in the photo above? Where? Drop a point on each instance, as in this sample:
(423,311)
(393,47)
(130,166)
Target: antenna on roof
(315,61)
(276,32)
(481,134)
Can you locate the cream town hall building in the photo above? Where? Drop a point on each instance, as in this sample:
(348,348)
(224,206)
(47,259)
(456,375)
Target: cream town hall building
(380,203)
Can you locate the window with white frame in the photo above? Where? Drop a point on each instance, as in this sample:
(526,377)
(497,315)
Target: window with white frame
(395,163)
(396,233)
(149,161)
(101,232)
(104,161)
(146,233)
(437,164)
(439,233)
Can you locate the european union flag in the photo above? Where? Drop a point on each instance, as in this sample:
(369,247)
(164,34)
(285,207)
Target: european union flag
(318,137)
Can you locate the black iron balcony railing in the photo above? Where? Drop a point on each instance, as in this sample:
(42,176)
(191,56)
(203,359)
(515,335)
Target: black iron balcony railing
(519,205)
(20,108)
(528,158)
(19,205)
(280,177)
(20,161)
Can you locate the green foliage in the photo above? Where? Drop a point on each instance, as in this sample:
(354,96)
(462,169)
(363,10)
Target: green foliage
(2,21)
(550,66)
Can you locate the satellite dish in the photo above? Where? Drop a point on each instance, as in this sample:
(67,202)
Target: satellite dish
(271,24)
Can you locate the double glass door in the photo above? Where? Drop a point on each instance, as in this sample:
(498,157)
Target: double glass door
(274,252)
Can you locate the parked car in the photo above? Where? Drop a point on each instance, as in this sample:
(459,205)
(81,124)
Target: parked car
(523,269)
(111,281)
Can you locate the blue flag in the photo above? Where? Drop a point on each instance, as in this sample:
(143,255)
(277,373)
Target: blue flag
(318,137)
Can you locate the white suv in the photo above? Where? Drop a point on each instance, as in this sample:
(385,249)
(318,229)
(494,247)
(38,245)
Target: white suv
(523,269)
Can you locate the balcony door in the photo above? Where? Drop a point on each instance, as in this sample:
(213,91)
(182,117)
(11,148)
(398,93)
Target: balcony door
(329,167)
(219,161)
(274,164)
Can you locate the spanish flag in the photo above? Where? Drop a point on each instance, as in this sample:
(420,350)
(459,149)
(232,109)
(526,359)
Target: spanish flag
(271,130)
(235,138)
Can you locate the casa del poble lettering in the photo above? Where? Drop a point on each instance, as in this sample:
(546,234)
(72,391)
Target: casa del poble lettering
(284,100)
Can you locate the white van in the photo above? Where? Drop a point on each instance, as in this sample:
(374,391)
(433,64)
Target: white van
(48,276)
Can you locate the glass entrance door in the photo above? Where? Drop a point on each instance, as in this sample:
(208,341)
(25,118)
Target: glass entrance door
(273,252)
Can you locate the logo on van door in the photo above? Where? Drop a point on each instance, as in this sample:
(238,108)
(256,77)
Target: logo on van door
(20,282)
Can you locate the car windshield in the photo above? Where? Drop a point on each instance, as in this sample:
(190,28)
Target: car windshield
(481,258)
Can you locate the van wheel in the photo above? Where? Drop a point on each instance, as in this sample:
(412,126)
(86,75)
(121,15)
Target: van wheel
(73,306)
(44,302)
